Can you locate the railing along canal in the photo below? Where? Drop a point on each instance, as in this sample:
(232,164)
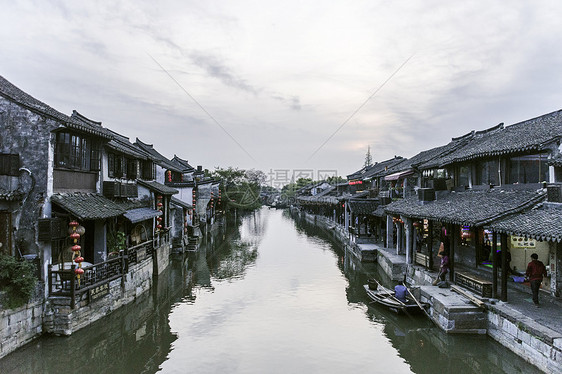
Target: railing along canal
(64,282)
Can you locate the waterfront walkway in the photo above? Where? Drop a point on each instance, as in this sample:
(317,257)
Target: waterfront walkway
(533,333)
(519,302)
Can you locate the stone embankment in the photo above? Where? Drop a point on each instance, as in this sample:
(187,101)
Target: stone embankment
(534,334)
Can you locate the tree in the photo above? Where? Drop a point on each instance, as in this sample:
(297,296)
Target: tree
(368,158)
(241,188)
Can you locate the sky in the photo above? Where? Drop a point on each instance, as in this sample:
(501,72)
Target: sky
(287,87)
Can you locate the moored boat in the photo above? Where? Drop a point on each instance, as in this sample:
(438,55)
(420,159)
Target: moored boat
(388,298)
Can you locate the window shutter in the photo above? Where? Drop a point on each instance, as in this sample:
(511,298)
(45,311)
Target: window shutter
(50,229)
(9,164)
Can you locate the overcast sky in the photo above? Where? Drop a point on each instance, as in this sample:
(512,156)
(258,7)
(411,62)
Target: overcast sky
(278,85)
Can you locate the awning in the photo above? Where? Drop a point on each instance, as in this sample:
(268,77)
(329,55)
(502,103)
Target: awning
(87,205)
(141,214)
(181,203)
(400,174)
(157,187)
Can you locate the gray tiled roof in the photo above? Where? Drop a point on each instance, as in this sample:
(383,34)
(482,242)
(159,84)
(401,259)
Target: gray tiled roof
(427,156)
(376,169)
(474,208)
(10,195)
(158,187)
(181,203)
(141,214)
(87,205)
(531,135)
(556,161)
(182,164)
(543,222)
(157,157)
(363,206)
(122,144)
(13,93)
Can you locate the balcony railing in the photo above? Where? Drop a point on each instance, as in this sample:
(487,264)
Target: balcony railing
(65,283)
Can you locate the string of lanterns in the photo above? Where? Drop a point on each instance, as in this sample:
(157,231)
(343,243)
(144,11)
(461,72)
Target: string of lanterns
(159,206)
(76,231)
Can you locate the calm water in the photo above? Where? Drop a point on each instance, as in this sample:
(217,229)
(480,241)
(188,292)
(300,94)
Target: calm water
(265,295)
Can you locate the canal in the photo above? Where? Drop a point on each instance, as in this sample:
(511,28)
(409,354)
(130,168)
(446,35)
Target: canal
(265,294)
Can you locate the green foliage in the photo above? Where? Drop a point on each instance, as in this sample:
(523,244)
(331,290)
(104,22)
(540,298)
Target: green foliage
(116,241)
(240,188)
(17,280)
(289,189)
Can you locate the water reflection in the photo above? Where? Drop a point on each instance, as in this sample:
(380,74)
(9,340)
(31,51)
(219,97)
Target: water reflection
(265,293)
(426,348)
(133,339)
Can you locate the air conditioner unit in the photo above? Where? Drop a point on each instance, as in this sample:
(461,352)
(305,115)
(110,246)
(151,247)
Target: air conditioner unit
(554,193)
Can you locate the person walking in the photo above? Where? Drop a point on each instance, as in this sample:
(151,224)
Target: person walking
(535,272)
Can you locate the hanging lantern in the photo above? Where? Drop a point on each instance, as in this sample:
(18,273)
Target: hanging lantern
(79,259)
(76,248)
(159,197)
(78,272)
(81,230)
(75,236)
(159,226)
(73,224)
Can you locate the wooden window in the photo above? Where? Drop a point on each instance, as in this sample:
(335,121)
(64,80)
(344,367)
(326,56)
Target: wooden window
(111,164)
(95,157)
(132,166)
(528,169)
(487,173)
(74,151)
(148,170)
(115,165)
(9,164)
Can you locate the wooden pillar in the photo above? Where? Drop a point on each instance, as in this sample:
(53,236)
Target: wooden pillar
(430,243)
(389,232)
(408,231)
(504,267)
(494,265)
(399,238)
(452,238)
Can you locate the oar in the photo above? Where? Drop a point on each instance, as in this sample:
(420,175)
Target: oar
(416,300)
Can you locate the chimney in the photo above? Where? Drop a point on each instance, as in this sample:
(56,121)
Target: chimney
(199,168)
(554,192)
(426,195)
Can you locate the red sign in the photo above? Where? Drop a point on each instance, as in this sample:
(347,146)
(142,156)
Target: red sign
(351,183)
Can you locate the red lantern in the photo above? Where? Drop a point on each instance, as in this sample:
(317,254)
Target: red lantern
(75,236)
(79,271)
(159,197)
(159,205)
(73,224)
(159,219)
(76,248)
(159,227)
(79,259)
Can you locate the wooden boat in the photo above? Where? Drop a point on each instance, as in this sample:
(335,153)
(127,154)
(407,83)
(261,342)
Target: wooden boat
(387,298)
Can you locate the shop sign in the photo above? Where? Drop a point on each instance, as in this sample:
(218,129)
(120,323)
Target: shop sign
(99,291)
(522,242)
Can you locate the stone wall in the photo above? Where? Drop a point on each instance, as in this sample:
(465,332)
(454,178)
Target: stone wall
(27,134)
(162,257)
(19,326)
(528,339)
(60,319)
